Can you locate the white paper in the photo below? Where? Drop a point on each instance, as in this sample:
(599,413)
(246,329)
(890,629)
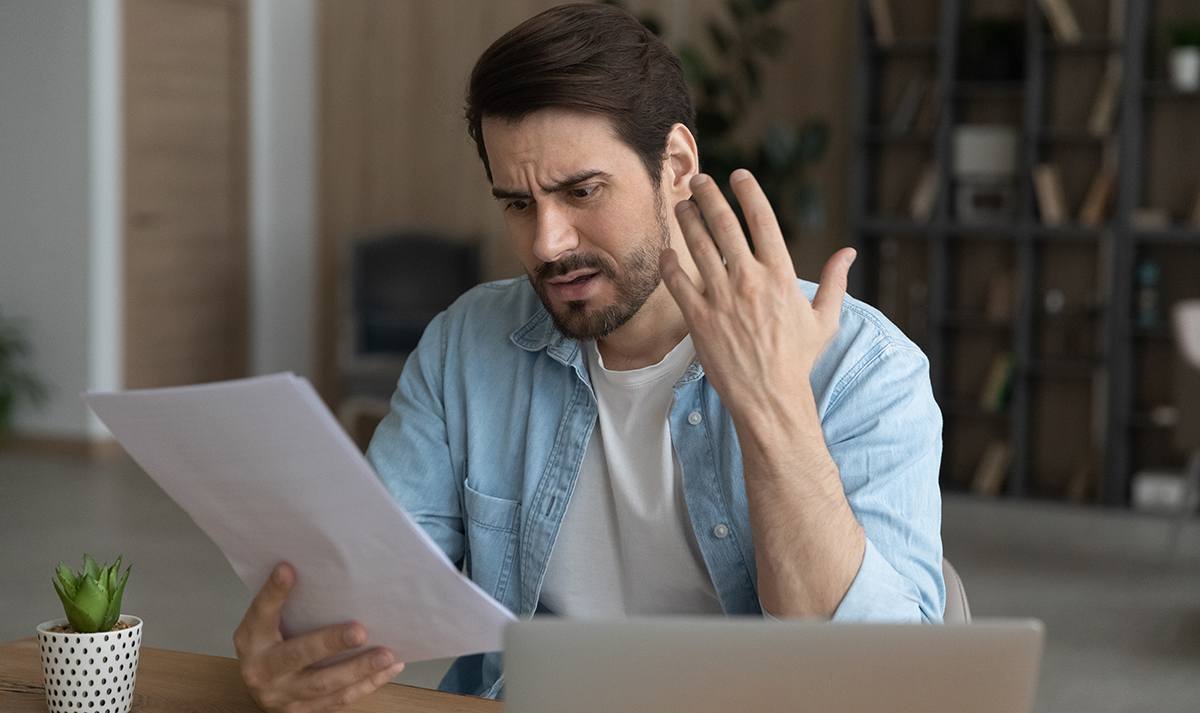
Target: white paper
(266,471)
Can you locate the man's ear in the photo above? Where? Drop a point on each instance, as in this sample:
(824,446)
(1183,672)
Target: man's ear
(682,161)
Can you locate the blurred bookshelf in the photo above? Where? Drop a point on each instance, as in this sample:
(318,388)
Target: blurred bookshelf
(1040,293)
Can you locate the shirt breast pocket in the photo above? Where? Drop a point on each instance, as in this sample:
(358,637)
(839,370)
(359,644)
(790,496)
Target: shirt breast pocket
(493,526)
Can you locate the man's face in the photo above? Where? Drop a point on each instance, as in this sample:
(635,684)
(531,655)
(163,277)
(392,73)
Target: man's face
(582,214)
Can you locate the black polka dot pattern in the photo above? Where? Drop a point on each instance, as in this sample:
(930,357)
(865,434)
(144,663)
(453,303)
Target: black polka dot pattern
(90,672)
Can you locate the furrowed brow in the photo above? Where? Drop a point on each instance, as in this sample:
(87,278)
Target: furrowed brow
(566,182)
(501,194)
(574,180)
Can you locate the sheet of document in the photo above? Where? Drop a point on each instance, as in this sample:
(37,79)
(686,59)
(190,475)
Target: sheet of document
(267,472)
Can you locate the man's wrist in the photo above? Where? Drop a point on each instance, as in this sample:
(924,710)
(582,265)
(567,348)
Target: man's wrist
(783,437)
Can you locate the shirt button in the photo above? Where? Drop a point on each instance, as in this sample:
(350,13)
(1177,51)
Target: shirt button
(695,418)
(720,531)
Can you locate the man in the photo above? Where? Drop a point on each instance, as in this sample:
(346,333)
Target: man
(594,439)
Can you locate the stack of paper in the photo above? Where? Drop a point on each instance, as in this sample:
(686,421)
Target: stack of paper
(265,470)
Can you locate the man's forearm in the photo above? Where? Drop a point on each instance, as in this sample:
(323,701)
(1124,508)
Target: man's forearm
(808,544)
(758,337)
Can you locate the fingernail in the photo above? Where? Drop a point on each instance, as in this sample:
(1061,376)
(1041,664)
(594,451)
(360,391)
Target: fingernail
(699,179)
(739,175)
(277,575)
(382,661)
(353,637)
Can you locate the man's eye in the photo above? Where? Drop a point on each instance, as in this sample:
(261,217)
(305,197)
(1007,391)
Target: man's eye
(517,205)
(585,192)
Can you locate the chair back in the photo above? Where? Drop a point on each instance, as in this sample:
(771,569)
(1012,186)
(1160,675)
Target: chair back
(393,286)
(957,609)
(400,282)
(1185,318)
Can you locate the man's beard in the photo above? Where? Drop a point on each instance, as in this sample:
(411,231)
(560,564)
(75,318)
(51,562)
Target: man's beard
(634,285)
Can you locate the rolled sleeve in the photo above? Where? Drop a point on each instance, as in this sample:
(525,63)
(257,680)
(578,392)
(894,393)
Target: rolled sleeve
(883,430)
(879,593)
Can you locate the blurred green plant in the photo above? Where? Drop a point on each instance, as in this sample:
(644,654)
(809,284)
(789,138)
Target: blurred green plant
(17,383)
(1185,33)
(726,80)
(92,598)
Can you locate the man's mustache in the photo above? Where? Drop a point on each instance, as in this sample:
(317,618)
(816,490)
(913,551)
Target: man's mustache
(570,263)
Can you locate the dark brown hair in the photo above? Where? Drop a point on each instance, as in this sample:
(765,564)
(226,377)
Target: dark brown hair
(586,57)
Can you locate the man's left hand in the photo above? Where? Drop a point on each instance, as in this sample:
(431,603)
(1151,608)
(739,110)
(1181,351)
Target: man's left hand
(754,330)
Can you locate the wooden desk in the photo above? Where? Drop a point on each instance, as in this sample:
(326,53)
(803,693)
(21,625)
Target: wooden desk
(177,682)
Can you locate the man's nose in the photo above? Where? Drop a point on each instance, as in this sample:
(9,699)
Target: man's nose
(556,235)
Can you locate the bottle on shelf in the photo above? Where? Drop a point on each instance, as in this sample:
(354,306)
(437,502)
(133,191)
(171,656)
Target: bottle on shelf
(1148,275)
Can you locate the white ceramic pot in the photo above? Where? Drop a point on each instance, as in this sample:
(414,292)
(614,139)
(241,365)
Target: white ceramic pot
(90,672)
(1185,69)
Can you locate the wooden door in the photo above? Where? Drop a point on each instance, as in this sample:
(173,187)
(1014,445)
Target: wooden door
(186,246)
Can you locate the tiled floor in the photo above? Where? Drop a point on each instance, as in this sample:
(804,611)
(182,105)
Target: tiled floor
(1122,623)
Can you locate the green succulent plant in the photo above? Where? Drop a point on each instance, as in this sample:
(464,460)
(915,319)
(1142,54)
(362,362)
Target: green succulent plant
(92,598)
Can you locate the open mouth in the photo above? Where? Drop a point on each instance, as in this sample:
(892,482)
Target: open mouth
(577,277)
(575,285)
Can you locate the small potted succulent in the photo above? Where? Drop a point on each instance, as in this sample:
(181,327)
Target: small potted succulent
(1184,39)
(89,658)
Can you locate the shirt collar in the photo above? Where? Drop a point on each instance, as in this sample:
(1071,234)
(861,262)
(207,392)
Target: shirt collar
(540,333)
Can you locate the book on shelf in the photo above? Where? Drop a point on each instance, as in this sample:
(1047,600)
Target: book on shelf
(1001,297)
(924,194)
(931,105)
(1116,20)
(992,469)
(910,103)
(1099,199)
(997,388)
(1108,99)
(1062,20)
(1051,198)
(881,19)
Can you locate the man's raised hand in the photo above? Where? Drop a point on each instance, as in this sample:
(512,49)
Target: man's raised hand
(755,332)
(281,675)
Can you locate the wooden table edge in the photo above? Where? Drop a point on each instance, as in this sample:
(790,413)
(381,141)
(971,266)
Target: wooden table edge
(210,683)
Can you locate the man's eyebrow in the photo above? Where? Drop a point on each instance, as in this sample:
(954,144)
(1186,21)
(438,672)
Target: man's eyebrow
(501,194)
(572,180)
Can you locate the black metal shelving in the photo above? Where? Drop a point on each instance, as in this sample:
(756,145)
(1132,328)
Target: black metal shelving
(1023,238)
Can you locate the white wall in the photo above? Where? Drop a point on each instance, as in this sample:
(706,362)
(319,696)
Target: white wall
(61,194)
(45,234)
(283,192)
(107,205)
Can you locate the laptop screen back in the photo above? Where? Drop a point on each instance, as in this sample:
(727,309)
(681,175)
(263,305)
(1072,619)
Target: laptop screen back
(718,665)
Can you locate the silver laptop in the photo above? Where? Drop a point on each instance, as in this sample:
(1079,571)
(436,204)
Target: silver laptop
(719,665)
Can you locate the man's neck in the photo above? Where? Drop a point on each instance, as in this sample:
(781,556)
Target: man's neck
(650,335)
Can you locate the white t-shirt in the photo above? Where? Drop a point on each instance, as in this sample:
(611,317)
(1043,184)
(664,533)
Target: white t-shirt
(626,545)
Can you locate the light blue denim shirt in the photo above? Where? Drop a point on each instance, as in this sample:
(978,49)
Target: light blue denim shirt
(494,411)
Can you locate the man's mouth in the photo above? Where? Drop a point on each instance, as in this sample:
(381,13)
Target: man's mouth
(575,277)
(575,286)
